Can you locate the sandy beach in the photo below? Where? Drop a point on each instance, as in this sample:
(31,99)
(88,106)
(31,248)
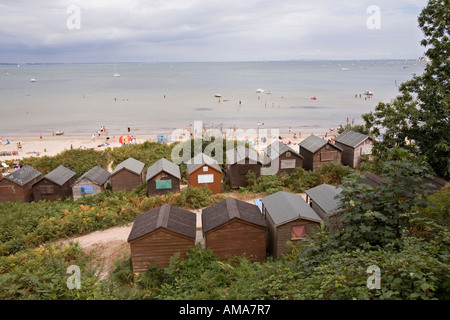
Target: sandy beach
(53,145)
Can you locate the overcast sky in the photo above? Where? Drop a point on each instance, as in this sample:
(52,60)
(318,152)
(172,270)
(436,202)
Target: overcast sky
(207,30)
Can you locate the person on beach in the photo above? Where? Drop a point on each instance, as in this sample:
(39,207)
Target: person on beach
(40,136)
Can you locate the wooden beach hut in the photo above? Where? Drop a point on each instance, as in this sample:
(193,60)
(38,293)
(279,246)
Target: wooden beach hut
(354,145)
(158,234)
(232,227)
(163,177)
(127,175)
(280,158)
(56,185)
(289,219)
(17,186)
(323,199)
(239,161)
(204,171)
(92,182)
(316,152)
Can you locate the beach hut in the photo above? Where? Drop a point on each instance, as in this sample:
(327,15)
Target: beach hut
(17,186)
(92,182)
(281,158)
(163,177)
(354,145)
(323,199)
(56,185)
(204,171)
(127,175)
(316,152)
(289,219)
(239,161)
(160,233)
(232,227)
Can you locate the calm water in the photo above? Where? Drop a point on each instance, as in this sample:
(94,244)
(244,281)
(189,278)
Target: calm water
(156,98)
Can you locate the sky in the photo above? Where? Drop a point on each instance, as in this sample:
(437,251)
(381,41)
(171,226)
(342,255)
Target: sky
(78,31)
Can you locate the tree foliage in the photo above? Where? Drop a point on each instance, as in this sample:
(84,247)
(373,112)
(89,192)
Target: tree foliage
(418,119)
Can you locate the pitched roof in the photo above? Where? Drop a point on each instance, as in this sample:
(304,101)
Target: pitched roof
(23,176)
(370,179)
(163,165)
(324,196)
(284,207)
(96,175)
(276,148)
(131,164)
(60,175)
(239,154)
(167,217)
(351,138)
(226,210)
(199,160)
(314,143)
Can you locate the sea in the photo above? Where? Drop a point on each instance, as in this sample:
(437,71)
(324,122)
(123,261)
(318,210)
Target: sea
(158,98)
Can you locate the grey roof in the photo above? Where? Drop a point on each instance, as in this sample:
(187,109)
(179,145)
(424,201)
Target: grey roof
(131,164)
(96,175)
(60,175)
(226,210)
(276,148)
(163,165)
(324,196)
(351,138)
(239,154)
(370,179)
(168,217)
(199,160)
(23,176)
(314,143)
(284,207)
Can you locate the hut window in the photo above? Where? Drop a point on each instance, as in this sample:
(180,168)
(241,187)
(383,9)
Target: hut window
(327,156)
(298,232)
(287,164)
(46,189)
(288,154)
(205,169)
(163,184)
(87,189)
(205,178)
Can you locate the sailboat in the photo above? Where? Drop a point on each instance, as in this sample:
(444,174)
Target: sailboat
(116,74)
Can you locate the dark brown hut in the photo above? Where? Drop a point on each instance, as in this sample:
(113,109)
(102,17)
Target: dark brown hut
(127,175)
(316,152)
(280,158)
(289,219)
(239,162)
(232,227)
(163,177)
(56,185)
(354,145)
(158,234)
(17,186)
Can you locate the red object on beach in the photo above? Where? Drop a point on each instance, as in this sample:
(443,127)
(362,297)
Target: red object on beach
(314,98)
(125,139)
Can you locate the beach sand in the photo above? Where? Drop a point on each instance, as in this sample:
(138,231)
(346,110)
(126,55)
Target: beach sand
(53,145)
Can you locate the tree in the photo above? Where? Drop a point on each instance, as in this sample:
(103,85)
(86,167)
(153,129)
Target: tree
(418,119)
(377,216)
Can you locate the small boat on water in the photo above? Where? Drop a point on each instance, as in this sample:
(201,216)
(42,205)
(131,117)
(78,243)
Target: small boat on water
(218,95)
(259,90)
(32,80)
(59,133)
(345,69)
(368,93)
